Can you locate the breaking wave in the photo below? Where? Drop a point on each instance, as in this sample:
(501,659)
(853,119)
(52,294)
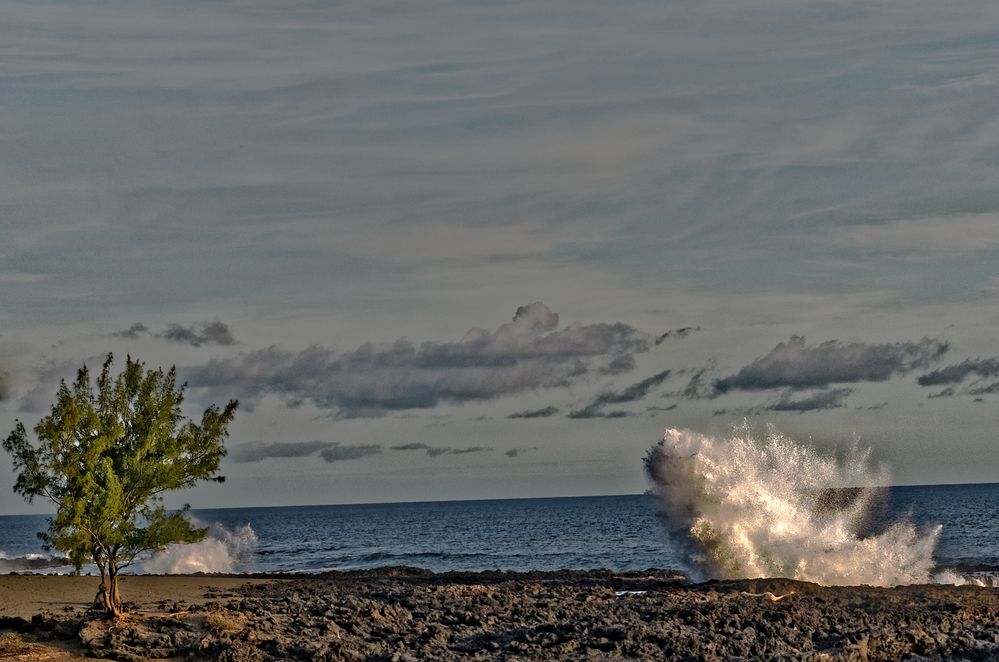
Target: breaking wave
(32,563)
(222,550)
(766,506)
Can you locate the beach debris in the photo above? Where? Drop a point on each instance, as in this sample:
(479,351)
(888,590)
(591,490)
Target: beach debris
(620,593)
(768,594)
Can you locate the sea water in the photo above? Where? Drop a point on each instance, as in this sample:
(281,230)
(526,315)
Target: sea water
(615,532)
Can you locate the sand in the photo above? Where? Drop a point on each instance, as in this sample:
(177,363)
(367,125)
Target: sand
(407,614)
(27,595)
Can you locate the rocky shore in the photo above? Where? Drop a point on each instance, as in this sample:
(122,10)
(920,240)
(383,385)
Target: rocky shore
(409,614)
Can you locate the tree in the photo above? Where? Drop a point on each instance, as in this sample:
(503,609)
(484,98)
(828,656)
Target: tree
(105,457)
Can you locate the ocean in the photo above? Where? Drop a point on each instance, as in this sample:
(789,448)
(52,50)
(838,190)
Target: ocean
(614,532)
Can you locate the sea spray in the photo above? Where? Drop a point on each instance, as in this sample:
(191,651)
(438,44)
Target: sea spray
(222,550)
(33,562)
(767,506)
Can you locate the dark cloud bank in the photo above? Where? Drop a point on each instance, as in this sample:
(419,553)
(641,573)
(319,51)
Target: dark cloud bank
(530,352)
(796,365)
(979,370)
(806,373)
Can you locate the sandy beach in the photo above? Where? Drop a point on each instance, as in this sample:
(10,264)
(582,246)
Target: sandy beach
(407,614)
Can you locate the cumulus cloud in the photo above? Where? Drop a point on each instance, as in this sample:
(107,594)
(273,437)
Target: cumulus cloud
(331,451)
(530,352)
(824,399)
(797,365)
(536,413)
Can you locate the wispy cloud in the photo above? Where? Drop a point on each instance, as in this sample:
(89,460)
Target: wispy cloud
(133,332)
(195,335)
(412,446)
(958,372)
(22,278)
(254,452)
(199,333)
(331,451)
(636,391)
(596,411)
(546,412)
(682,332)
(618,365)
(527,353)
(436,451)
(470,449)
(954,233)
(343,453)
(515,452)
(823,399)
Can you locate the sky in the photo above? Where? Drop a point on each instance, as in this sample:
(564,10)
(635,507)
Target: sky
(459,250)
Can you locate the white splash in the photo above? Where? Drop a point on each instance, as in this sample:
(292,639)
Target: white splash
(221,550)
(744,506)
(949,576)
(32,563)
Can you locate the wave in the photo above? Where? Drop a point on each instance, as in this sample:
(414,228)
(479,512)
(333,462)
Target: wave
(766,506)
(31,563)
(967,575)
(222,550)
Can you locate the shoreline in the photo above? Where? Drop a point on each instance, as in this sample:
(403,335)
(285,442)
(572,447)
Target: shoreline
(411,614)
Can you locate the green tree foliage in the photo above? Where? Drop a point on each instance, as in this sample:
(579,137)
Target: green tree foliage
(105,457)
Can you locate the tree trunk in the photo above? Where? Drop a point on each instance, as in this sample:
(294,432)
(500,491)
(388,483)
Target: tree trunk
(108,595)
(101,599)
(116,595)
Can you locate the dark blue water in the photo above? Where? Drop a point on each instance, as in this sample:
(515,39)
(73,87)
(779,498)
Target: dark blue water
(620,533)
(541,534)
